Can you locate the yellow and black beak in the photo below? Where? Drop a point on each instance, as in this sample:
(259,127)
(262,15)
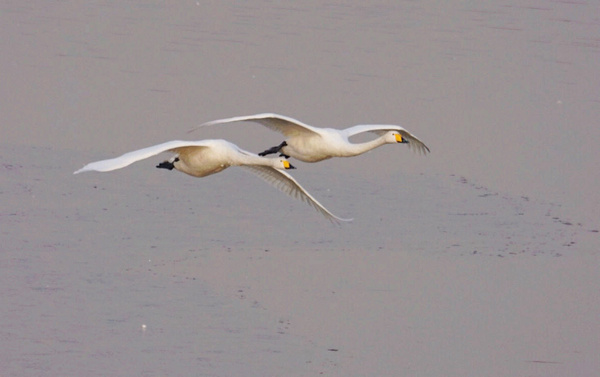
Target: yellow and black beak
(287,165)
(400,139)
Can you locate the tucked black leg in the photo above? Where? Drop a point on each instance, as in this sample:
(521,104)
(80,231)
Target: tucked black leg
(167,164)
(274,150)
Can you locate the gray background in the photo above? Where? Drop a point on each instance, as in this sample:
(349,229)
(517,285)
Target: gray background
(477,259)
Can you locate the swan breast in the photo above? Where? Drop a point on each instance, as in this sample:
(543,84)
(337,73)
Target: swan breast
(200,161)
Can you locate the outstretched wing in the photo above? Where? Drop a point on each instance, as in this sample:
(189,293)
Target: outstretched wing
(279,123)
(413,142)
(131,157)
(287,184)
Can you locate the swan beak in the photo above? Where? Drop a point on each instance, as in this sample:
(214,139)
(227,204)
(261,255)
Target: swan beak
(399,139)
(287,165)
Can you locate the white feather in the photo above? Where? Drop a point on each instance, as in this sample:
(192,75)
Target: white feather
(311,144)
(205,157)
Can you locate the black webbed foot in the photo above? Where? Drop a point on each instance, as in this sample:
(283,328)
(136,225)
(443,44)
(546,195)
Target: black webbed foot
(268,151)
(273,149)
(167,164)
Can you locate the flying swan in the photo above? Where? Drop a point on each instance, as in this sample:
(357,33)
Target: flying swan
(311,144)
(206,157)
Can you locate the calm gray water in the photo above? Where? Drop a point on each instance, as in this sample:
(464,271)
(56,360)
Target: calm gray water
(506,94)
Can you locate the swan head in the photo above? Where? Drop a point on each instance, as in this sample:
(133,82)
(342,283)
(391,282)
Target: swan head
(286,164)
(395,137)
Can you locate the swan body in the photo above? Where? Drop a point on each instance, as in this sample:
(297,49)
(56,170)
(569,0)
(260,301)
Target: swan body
(311,144)
(206,157)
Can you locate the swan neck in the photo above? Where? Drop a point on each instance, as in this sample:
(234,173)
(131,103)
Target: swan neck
(360,148)
(255,160)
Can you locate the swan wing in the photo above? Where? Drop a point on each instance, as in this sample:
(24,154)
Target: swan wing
(287,184)
(414,142)
(140,154)
(280,123)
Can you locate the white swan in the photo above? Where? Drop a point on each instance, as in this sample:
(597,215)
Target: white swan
(312,144)
(205,157)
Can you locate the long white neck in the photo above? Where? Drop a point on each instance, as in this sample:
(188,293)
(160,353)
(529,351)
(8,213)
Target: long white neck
(253,159)
(354,149)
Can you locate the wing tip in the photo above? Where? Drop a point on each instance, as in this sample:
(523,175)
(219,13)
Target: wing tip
(337,220)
